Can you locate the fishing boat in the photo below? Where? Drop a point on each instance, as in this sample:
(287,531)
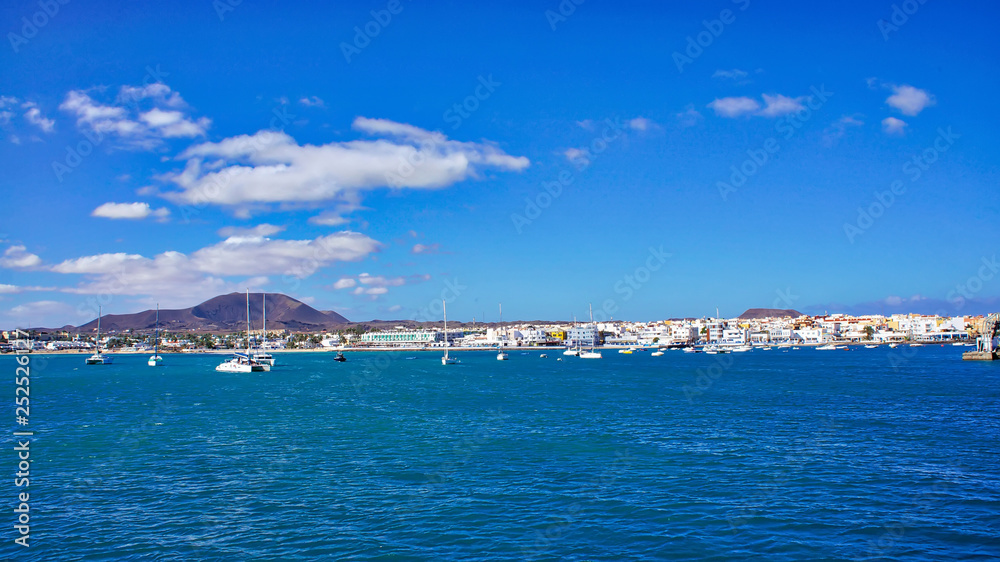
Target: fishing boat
(542,356)
(340,357)
(155,359)
(446,360)
(99,358)
(501,356)
(243,362)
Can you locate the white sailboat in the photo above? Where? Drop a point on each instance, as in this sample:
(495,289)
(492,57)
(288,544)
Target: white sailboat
(99,358)
(155,359)
(261,355)
(446,360)
(242,362)
(501,356)
(591,353)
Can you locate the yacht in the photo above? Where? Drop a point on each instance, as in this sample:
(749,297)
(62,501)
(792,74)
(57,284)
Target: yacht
(542,356)
(99,358)
(240,363)
(444,360)
(155,359)
(501,356)
(571,351)
(870,346)
(656,353)
(243,362)
(340,357)
(827,347)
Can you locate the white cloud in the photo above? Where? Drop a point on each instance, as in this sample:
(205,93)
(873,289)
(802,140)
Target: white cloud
(776,106)
(734,107)
(270,167)
(35,117)
(17,257)
(640,124)
(9,289)
(33,310)
(259,230)
(137,118)
(734,74)
(909,100)
(173,123)
(345,283)
(132,211)
(893,126)
(202,274)
(312,101)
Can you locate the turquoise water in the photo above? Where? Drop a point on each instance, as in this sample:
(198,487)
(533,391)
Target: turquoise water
(766,455)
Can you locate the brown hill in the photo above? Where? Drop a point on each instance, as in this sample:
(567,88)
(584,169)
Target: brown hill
(225,313)
(758,313)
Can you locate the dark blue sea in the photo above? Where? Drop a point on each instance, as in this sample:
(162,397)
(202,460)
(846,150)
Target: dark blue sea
(769,455)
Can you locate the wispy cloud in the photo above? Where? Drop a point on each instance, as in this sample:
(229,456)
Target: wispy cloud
(140,117)
(426,249)
(689,117)
(734,74)
(35,117)
(312,101)
(259,230)
(839,128)
(640,124)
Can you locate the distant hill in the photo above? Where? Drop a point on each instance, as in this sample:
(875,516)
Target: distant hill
(758,313)
(225,313)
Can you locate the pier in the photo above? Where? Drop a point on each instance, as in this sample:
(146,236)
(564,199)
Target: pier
(985,348)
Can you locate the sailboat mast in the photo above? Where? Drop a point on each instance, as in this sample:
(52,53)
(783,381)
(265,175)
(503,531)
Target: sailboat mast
(248,322)
(156,333)
(264,323)
(99,312)
(444,307)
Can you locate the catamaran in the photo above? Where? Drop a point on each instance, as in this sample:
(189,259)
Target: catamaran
(155,359)
(446,360)
(99,358)
(242,362)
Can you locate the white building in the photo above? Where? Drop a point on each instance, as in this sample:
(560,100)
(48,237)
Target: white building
(583,336)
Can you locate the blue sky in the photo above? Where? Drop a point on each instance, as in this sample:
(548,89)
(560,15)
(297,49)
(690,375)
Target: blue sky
(169,153)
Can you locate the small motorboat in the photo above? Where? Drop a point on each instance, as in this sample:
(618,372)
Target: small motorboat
(340,357)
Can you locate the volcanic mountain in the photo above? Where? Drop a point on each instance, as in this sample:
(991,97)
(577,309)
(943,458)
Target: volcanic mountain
(226,313)
(757,313)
